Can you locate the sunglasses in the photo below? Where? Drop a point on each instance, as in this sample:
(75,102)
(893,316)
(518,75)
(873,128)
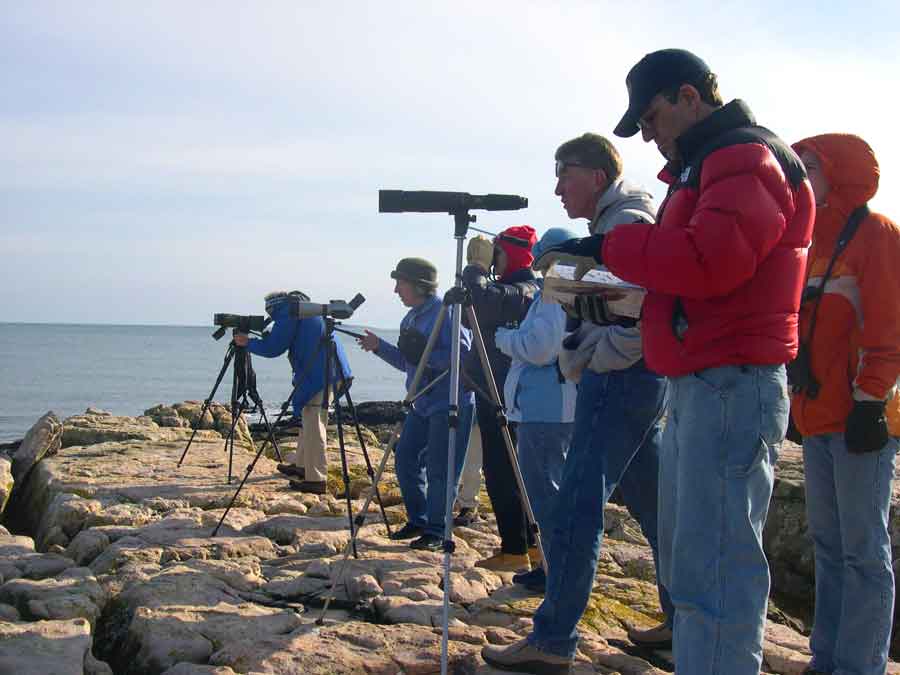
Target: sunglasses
(563,164)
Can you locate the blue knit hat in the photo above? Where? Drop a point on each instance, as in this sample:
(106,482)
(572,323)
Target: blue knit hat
(552,237)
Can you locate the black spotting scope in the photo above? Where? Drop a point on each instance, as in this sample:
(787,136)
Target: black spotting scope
(431,201)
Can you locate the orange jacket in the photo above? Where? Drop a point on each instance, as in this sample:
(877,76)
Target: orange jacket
(855,348)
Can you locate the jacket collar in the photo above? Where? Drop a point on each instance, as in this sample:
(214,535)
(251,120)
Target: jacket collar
(733,115)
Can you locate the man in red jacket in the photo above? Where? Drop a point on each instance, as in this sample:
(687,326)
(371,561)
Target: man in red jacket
(723,267)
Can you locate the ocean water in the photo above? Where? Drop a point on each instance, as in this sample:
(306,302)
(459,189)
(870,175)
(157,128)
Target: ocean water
(127,369)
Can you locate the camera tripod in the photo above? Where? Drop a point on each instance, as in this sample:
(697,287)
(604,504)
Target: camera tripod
(243,386)
(341,385)
(459,299)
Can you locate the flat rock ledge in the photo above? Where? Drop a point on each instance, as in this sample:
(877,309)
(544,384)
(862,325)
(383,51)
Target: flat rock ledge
(119,572)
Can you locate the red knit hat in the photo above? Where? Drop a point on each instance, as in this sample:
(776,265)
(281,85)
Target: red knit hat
(516,242)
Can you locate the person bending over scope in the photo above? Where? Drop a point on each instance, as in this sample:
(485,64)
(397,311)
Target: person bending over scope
(301,339)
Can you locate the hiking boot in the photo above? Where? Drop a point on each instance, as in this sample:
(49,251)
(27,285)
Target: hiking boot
(525,658)
(534,580)
(316,487)
(534,557)
(466,517)
(427,542)
(408,531)
(292,470)
(658,637)
(504,562)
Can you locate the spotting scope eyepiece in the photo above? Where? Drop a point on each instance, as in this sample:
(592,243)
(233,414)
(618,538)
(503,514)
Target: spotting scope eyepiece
(430,201)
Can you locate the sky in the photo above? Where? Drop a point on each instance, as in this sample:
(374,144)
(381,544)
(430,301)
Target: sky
(164,161)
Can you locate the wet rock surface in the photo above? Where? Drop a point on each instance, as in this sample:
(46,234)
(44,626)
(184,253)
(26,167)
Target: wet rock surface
(119,572)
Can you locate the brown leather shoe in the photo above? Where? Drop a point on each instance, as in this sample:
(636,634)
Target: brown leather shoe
(316,487)
(292,471)
(526,658)
(658,637)
(504,562)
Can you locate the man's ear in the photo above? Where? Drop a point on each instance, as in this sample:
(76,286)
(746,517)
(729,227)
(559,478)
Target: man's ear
(689,94)
(601,181)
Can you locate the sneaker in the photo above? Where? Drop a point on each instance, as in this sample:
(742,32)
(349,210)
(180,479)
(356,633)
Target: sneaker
(408,531)
(532,578)
(316,487)
(534,581)
(292,470)
(427,542)
(658,637)
(466,517)
(504,562)
(523,657)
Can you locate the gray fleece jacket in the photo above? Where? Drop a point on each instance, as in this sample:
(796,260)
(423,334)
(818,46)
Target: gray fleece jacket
(605,348)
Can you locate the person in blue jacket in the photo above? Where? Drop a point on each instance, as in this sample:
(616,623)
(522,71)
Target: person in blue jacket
(303,340)
(420,456)
(540,400)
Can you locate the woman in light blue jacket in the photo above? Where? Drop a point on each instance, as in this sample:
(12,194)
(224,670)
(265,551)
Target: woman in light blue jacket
(538,398)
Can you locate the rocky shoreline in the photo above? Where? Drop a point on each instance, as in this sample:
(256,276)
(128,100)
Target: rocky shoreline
(107,564)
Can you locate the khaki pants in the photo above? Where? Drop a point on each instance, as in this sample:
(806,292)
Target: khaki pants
(311,440)
(470,484)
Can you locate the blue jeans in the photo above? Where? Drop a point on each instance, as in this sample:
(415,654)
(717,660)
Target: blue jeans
(420,461)
(617,418)
(848,498)
(717,464)
(542,448)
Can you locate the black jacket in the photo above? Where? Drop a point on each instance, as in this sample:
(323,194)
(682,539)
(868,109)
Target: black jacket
(496,304)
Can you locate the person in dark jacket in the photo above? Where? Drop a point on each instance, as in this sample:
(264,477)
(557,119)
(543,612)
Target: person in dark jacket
(723,267)
(420,456)
(303,340)
(501,302)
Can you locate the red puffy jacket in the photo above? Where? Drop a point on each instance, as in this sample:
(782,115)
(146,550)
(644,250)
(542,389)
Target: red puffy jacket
(724,263)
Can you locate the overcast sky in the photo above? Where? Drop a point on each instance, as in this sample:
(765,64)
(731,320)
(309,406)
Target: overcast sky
(162,161)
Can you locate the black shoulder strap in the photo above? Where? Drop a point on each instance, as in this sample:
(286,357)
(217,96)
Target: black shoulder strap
(788,160)
(859,214)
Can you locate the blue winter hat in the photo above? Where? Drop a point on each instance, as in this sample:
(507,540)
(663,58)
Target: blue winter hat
(552,237)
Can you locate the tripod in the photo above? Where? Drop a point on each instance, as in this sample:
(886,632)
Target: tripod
(341,390)
(243,385)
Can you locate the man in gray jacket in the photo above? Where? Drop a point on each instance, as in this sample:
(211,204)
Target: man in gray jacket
(617,430)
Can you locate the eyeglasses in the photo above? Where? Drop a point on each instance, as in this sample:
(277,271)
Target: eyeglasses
(647,121)
(563,164)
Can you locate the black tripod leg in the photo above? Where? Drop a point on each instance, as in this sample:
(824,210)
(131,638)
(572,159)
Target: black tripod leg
(345,471)
(228,356)
(229,440)
(270,433)
(369,470)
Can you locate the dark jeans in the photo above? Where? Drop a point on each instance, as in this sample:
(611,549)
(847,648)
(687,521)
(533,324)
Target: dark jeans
(500,480)
(617,421)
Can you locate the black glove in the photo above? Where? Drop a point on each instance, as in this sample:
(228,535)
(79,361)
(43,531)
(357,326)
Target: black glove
(586,247)
(866,427)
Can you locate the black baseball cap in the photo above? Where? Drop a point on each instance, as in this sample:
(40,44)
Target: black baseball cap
(652,74)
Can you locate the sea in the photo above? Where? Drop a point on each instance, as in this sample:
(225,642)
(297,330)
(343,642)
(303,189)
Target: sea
(67,368)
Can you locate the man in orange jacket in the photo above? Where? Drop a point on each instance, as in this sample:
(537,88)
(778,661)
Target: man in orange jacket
(845,406)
